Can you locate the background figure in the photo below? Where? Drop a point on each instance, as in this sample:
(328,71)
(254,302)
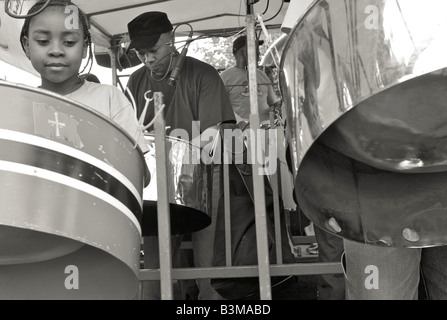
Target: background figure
(195,103)
(236,81)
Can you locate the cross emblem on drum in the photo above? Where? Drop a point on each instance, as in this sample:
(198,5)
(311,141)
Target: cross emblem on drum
(57,124)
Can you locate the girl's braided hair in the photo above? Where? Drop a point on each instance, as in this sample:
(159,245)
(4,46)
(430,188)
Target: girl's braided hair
(60,3)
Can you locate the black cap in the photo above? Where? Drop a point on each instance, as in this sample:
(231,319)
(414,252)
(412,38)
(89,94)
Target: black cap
(241,42)
(146,29)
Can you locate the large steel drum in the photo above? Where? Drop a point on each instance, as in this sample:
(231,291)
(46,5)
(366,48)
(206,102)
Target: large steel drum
(189,191)
(71,187)
(365,89)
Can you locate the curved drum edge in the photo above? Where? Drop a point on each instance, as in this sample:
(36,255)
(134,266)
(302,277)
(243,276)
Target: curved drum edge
(86,274)
(366,126)
(71,200)
(190,184)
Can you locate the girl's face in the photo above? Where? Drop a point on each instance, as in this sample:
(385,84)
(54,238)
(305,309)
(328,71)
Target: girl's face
(55,51)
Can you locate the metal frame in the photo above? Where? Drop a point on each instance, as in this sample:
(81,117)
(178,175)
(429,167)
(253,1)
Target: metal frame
(264,270)
(166,274)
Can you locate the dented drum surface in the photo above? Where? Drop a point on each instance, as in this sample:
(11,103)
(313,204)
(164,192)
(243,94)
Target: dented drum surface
(70,203)
(365,89)
(189,188)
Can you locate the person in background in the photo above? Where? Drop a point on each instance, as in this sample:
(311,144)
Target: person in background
(236,81)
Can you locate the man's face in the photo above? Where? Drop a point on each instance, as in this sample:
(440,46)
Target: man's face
(157,58)
(244,51)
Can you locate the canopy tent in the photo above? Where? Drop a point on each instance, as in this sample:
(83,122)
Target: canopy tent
(10,49)
(109,20)
(206,17)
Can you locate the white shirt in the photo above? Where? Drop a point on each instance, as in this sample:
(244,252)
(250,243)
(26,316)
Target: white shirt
(113,104)
(236,83)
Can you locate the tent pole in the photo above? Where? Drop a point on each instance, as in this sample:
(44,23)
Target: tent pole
(258,175)
(113,55)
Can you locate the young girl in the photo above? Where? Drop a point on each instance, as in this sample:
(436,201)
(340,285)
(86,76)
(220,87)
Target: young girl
(57,53)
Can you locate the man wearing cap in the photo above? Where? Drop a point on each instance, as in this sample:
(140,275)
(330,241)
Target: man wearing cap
(198,95)
(195,103)
(236,81)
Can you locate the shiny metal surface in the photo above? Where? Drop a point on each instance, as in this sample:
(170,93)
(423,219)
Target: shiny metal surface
(364,85)
(71,185)
(189,188)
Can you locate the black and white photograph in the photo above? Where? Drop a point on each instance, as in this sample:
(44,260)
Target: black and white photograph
(229,156)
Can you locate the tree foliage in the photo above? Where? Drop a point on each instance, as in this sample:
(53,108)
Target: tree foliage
(217,51)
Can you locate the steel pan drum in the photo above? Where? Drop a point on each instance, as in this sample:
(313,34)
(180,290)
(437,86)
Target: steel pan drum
(365,89)
(189,188)
(70,202)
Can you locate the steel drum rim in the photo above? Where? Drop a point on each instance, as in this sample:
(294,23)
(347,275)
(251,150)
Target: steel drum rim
(81,214)
(44,142)
(194,207)
(63,149)
(360,99)
(119,216)
(292,31)
(18,169)
(392,71)
(73,102)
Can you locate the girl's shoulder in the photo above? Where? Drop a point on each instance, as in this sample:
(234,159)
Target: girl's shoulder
(101,89)
(93,86)
(99,95)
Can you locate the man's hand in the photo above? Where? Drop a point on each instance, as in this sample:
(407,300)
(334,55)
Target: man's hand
(333,225)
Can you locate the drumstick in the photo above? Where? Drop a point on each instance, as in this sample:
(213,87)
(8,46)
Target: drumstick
(133,101)
(155,117)
(141,127)
(143,114)
(150,123)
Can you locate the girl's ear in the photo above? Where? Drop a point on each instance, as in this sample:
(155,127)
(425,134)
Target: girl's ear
(25,42)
